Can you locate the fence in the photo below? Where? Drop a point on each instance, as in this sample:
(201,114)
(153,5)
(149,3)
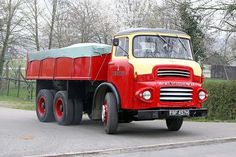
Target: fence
(223,72)
(17,88)
(14,84)
(220,72)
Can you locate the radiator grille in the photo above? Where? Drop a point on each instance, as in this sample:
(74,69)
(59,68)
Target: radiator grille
(176,94)
(176,73)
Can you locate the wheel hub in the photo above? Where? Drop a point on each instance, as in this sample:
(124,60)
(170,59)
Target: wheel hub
(59,108)
(41,106)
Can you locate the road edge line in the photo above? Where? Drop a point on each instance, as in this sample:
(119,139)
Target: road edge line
(156,147)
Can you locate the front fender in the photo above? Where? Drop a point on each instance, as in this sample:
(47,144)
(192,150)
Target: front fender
(99,96)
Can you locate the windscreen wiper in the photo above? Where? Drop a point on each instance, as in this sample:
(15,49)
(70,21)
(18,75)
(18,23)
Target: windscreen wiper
(164,39)
(168,44)
(127,54)
(182,43)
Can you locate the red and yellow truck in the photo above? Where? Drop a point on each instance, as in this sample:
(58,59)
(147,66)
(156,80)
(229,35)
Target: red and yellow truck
(147,74)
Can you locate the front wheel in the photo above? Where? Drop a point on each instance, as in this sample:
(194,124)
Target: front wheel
(110,113)
(174,124)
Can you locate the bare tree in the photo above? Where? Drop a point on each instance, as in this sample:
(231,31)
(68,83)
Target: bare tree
(226,10)
(79,21)
(9,9)
(32,23)
(106,27)
(104,32)
(133,13)
(225,13)
(63,32)
(85,16)
(54,9)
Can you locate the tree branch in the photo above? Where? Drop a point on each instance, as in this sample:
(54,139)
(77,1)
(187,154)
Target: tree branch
(222,29)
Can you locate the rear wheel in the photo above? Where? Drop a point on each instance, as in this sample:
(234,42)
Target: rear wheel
(63,108)
(126,121)
(78,111)
(110,114)
(53,92)
(44,106)
(174,124)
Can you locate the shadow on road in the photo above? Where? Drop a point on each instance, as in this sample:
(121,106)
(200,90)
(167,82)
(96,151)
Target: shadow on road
(136,129)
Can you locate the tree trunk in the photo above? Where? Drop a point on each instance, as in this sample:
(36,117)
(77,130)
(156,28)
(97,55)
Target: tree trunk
(226,73)
(54,9)
(6,40)
(36,25)
(225,54)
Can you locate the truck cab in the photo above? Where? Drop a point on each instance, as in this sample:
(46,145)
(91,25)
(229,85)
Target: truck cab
(155,77)
(147,74)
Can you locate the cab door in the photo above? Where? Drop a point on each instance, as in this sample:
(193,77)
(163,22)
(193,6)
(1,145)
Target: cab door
(120,71)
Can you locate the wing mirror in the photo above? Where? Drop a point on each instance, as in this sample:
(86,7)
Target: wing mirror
(115,42)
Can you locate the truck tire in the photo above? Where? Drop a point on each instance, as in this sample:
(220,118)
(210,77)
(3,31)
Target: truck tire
(174,124)
(44,106)
(126,121)
(63,108)
(78,111)
(110,114)
(53,92)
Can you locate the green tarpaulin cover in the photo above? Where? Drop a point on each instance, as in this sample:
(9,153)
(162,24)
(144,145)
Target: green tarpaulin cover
(73,51)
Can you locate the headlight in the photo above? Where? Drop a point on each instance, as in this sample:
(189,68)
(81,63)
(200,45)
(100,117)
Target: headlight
(202,95)
(147,95)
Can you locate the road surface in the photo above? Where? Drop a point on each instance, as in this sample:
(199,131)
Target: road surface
(21,134)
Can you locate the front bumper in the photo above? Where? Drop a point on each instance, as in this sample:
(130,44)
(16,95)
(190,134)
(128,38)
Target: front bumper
(168,113)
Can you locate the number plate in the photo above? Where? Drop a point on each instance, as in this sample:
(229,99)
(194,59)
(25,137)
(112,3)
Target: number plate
(179,112)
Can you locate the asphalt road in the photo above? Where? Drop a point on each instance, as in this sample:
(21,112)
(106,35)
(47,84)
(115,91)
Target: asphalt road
(21,134)
(213,150)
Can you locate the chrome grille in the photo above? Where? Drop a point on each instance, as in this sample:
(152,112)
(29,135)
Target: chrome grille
(176,94)
(170,72)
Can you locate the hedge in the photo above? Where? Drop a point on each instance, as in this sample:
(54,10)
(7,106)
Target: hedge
(221,103)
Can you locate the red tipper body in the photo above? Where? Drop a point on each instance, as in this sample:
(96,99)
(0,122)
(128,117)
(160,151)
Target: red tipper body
(76,63)
(65,68)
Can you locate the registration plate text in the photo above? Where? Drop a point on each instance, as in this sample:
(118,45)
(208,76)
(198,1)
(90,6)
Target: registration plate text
(179,112)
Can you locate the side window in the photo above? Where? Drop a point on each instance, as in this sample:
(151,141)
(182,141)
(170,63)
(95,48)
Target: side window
(123,44)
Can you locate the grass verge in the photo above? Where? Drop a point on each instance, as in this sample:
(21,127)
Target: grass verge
(16,103)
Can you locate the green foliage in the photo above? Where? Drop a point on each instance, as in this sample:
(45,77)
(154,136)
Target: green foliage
(221,103)
(190,24)
(16,103)
(231,8)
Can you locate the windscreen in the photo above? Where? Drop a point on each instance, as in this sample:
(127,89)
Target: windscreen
(149,46)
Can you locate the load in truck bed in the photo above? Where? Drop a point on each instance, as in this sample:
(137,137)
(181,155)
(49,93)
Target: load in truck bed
(87,61)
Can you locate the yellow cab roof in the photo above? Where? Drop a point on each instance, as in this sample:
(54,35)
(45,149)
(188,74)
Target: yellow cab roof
(150,31)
